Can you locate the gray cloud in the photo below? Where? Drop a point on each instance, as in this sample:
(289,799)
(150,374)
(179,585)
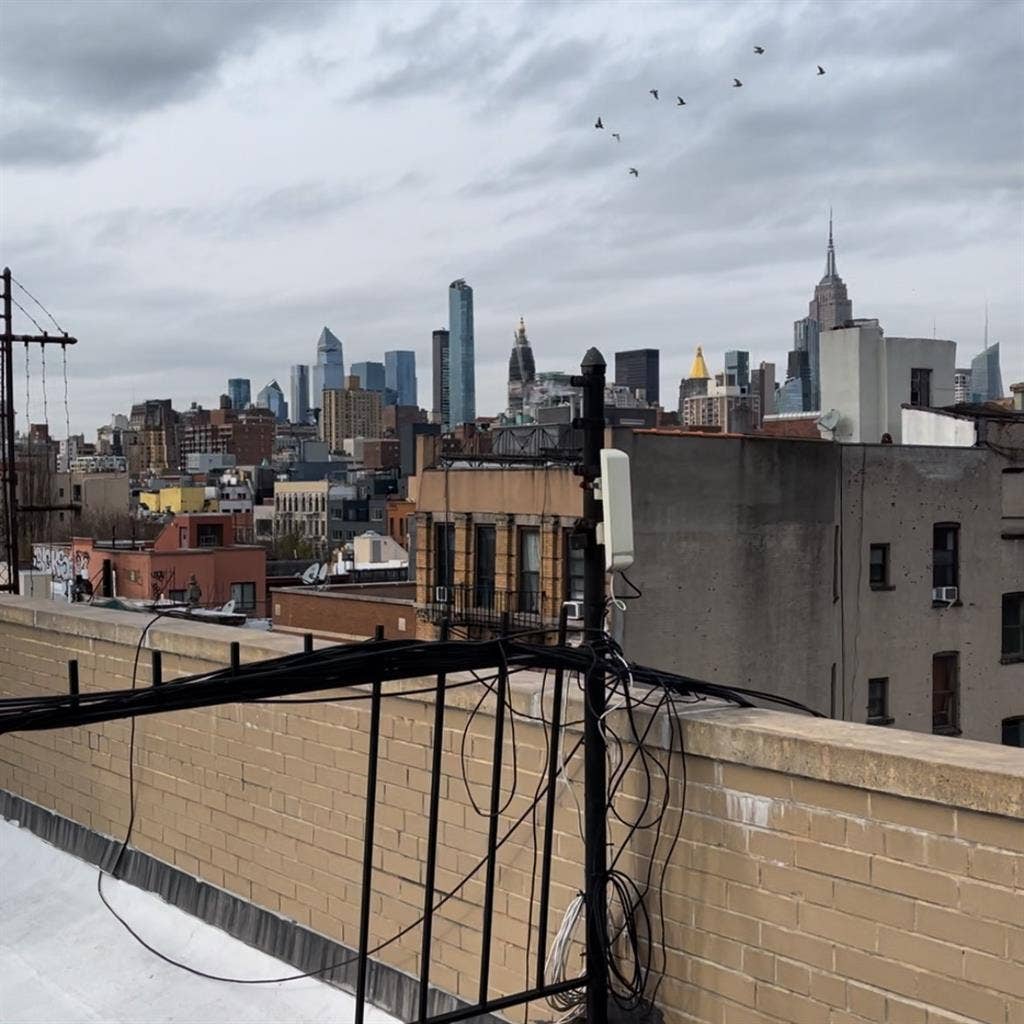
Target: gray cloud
(40,144)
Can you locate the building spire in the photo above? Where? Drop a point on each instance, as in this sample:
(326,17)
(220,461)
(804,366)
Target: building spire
(830,258)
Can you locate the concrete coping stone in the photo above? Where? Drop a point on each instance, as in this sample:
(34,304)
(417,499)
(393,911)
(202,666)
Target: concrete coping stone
(953,772)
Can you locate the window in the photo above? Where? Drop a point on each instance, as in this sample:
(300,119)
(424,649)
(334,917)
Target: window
(879,566)
(76,492)
(444,554)
(946,555)
(529,569)
(921,388)
(177,596)
(60,492)
(210,535)
(1013,627)
(484,567)
(946,693)
(376,515)
(244,596)
(1013,731)
(574,549)
(878,701)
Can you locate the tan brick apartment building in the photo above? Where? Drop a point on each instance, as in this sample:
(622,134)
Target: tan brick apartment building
(496,539)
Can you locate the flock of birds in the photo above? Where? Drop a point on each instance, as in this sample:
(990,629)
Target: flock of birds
(680,102)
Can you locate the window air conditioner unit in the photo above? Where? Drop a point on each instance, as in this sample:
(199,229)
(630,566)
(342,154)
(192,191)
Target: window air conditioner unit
(441,595)
(947,594)
(573,610)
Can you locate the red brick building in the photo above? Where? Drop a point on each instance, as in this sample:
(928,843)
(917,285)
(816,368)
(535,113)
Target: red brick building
(200,545)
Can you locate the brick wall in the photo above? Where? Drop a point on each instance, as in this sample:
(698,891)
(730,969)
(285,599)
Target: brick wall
(350,614)
(827,872)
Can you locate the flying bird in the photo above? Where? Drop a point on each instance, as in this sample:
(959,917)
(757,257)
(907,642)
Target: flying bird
(653,92)
(680,102)
(737,84)
(758,49)
(599,123)
(616,136)
(821,70)
(634,172)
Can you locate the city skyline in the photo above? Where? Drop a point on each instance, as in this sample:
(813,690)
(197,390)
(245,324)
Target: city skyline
(103,215)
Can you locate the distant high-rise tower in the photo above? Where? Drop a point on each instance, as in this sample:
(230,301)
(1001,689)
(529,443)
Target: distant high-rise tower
(272,397)
(371,376)
(298,405)
(440,370)
(329,369)
(521,368)
(400,377)
(638,371)
(240,392)
(461,355)
(961,385)
(986,377)
(830,308)
(697,382)
(737,367)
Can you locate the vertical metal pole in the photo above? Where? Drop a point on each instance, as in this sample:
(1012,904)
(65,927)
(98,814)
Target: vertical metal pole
(107,578)
(11,481)
(492,824)
(432,820)
(157,670)
(595,765)
(307,643)
(549,808)
(73,681)
(371,807)
(235,655)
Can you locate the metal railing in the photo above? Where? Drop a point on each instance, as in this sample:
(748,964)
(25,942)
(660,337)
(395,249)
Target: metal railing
(483,605)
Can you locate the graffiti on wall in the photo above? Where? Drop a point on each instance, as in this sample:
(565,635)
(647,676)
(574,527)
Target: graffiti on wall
(58,562)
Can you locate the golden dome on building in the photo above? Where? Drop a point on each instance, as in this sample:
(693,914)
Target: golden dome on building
(699,370)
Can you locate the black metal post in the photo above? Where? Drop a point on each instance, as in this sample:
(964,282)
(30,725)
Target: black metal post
(595,764)
(307,643)
(73,681)
(236,655)
(107,578)
(157,668)
(432,822)
(10,481)
(549,807)
(492,824)
(371,807)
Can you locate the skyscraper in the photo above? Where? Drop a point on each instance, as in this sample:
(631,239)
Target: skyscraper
(961,385)
(272,397)
(762,384)
(737,366)
(461,355)
(299,394)
(400,376)
(521,368)
(371,376)
(329,370)
(830,308)
(638,371)
(240,392)
(986,378)
(439,366)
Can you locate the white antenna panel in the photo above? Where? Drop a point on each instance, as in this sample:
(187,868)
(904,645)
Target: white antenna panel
(616,496)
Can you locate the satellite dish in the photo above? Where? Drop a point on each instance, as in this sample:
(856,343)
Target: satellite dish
(830,420)
(309,576)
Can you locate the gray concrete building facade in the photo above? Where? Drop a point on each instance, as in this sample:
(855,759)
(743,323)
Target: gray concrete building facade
(812,570)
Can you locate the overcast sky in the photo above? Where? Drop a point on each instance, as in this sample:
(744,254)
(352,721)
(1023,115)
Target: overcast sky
(195,189)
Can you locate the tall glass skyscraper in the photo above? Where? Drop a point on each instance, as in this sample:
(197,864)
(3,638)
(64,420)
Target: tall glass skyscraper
(272,397)
(371,376)
(461,355)
(400,376)
(329,370)
(240,392)
(299,404)
(440,376)
(737,366)
(986,378)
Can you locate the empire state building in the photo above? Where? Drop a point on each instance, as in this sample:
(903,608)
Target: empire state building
(830,308)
